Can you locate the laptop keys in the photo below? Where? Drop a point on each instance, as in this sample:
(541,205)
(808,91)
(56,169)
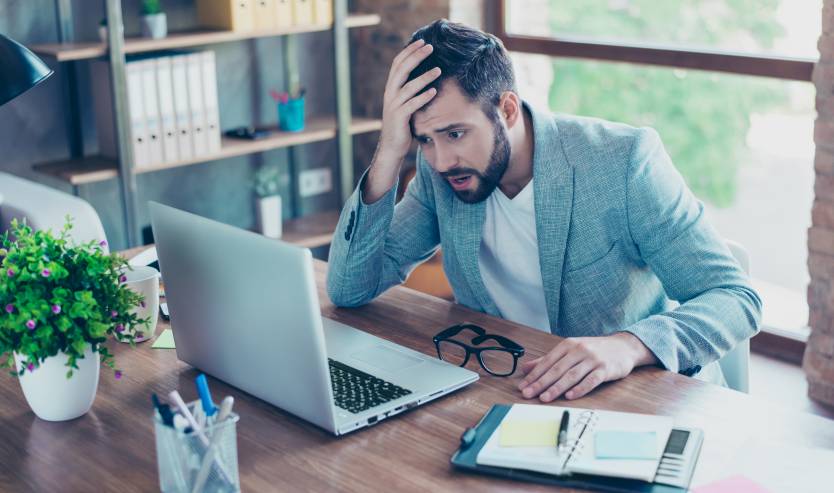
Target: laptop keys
(356,391)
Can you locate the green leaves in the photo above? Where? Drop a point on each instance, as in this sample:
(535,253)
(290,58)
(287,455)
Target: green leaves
(69,295)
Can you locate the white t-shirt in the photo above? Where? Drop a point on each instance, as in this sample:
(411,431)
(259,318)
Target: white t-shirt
(509,258)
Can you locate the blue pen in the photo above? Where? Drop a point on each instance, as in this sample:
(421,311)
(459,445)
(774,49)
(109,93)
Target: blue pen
(205,395)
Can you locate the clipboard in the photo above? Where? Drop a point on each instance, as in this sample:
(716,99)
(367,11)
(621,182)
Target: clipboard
(473,440)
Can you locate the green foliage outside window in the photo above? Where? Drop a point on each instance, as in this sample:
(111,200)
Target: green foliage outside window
(702,117)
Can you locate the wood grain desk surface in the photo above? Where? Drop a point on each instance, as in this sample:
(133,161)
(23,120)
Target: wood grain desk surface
(112,447)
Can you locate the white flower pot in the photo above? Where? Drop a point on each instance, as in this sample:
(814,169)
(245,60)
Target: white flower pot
(53,396)
(268,212)
(155,26)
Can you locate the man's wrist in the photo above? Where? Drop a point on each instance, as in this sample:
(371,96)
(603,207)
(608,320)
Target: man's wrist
(641,355)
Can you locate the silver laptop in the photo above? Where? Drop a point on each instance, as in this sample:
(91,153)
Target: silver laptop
(245,309)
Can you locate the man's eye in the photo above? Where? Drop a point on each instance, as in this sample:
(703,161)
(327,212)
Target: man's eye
(424,140)
(456,134)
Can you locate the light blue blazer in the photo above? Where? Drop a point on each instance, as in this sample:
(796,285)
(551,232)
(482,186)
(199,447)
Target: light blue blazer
(623,245)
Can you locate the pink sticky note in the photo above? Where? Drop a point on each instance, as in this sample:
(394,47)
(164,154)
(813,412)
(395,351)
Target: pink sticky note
(734,484)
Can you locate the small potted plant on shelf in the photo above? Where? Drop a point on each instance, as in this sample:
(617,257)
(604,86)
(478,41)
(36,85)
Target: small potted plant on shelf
(102,30)
(60,303)
(268,181)
(154,20)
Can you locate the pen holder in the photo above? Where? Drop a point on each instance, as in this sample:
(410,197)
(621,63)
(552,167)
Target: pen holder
(291,115)
(187,463)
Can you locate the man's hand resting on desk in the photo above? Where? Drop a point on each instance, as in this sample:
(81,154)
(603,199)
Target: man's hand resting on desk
(578,365)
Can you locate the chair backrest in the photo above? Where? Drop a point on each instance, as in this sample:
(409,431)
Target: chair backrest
(736,363)
(47,208)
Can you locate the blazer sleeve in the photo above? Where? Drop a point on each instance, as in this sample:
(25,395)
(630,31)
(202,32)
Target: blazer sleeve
(718,306)
(377,245)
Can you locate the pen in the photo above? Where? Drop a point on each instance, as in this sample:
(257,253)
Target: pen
(164,411)
(176,398)
(563,431)
(225,408)
(205,395)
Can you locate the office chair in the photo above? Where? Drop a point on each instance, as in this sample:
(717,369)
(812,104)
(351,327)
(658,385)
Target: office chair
(736,363)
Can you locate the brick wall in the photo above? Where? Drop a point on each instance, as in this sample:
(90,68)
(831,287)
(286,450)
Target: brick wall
(819,353)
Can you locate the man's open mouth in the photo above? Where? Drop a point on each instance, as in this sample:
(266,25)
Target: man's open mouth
(460,182)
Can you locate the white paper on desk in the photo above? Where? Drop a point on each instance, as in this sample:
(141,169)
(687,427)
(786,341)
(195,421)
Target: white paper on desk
(784,468)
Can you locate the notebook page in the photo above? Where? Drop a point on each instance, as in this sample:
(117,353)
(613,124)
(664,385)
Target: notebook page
(539,459)
(585,461)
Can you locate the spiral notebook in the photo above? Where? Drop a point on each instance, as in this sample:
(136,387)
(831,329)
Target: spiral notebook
(510,446)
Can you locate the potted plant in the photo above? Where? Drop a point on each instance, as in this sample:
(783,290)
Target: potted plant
(102,30)
(154,20)
(60,303)
(268,182)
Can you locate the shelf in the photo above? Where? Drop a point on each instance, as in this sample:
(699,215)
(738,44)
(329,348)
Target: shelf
(312,230)
(97,168)
(65,52)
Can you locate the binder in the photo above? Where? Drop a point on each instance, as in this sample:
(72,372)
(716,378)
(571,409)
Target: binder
(196,103)
(474,440)
(234,15)
(153,125)
(185,141)
(302,12)
(106,116)
(323,12)
(283,13)
(210,102)
(167,112)
(264,12)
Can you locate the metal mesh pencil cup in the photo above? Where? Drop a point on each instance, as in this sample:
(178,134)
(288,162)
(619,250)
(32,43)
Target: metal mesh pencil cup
(187,462)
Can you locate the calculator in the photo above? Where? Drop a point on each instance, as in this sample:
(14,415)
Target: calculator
(680,457)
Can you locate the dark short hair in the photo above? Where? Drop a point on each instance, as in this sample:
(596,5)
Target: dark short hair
(477,60)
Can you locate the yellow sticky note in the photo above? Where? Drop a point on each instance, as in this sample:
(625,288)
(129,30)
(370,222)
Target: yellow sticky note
(165,340)
(524,433)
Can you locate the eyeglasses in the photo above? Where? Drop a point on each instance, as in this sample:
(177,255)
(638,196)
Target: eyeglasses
(500,361)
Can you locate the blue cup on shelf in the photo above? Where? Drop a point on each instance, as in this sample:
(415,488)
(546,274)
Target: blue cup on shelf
(291,115)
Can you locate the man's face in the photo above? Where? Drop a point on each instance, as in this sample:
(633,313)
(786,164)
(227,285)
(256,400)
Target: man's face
(462,143)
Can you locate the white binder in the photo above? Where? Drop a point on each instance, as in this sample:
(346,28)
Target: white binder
(167,114)
(153,125)
(196,102)
(105,113)
(211,102)
(185,142)
(136,108)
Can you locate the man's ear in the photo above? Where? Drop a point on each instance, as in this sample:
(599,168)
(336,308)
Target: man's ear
(509,107)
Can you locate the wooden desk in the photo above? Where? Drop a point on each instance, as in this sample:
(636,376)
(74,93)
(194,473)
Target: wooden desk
(112,447)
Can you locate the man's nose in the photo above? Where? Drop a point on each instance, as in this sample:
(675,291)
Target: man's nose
(444,159)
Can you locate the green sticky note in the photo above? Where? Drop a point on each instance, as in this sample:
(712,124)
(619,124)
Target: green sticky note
(524,433)
(625,445)
(165,340)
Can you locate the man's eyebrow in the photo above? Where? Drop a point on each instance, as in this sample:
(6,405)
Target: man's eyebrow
(438,130)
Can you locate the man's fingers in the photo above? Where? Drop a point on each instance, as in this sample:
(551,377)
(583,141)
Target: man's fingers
(589,383)
(419,101)
(409,90)
(544,364)
(526,366)
(399,72)
(567,381)
(411,48)
(551,374)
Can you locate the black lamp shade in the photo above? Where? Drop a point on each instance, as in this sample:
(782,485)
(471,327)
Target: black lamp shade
(20,69)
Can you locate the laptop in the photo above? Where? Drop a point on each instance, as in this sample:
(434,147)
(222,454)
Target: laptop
(245,309)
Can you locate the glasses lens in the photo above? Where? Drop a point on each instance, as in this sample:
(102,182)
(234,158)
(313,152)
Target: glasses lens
(498,362)
(451,352)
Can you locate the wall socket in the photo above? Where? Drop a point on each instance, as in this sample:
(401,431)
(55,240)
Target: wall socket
(314,181)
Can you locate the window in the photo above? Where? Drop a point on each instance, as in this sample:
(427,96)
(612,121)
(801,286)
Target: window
(744,144)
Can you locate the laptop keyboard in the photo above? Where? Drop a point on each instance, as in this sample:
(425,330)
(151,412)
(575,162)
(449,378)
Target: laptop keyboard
(355,391)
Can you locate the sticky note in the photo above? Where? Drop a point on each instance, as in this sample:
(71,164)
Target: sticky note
(165,340)
(625,445)
(524,433)
(734,484)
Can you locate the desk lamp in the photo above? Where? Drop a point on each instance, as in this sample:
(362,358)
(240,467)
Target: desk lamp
(20,69)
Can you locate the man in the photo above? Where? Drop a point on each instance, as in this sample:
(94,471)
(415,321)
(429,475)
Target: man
(575,226)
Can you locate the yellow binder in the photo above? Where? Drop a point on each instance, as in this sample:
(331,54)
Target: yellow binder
(264,11)
(323,11)
(235,15)
(303,12)
(283,13)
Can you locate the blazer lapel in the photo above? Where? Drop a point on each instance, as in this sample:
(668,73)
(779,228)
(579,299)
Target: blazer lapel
(468,227)
(553,200)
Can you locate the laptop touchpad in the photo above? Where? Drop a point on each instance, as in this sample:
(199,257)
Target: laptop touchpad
(385,358)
